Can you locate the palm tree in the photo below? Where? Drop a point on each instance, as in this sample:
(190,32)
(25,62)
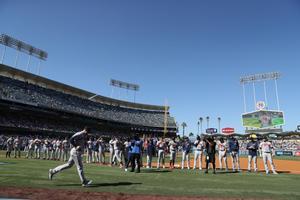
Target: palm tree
(183,127)
(201,120)
(191,134)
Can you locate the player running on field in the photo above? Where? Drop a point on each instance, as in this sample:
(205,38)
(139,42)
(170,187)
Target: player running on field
(78,141)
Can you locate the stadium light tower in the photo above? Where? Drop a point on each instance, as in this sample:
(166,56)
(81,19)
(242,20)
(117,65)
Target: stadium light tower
(252,79)
(124,85)
(20,46)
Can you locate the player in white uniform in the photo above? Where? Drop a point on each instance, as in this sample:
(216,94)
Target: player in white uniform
(30,148)
(222,149)
(58,149)
(78,141)
(46,149)
(267,148)
(172,149)
(111,151)
(17,147)
(117,152)
(161,146)
(198,153)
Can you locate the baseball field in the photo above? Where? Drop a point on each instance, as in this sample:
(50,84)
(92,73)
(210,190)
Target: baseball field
(25,178)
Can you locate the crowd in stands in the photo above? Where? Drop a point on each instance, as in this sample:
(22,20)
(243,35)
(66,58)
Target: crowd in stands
(15,90)
(36,123)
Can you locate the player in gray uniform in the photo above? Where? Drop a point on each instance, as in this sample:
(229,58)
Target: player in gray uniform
(9,146)
(89,151)
(17,147)
(37,148)
(46,149)
(58,149)
(78,141)
(172,149)
(101,151)
(65,149)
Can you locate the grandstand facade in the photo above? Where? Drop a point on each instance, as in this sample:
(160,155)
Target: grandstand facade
(34,104)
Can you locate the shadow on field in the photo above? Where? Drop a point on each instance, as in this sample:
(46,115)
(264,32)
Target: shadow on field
(155,171)
(104,184)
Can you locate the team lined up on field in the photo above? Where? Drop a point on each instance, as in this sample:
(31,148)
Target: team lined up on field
(168,148)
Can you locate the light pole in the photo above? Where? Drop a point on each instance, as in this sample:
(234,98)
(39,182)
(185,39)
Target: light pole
(198,123)
(219,124)
(207,120)
(201,121)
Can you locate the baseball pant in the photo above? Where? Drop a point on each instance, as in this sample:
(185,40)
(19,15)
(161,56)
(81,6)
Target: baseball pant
(101,156)
(254,159)
(75,158)
(30,153)
(223,157)
(172,158)
(117,156)
(89,156)
(198,155)
(17,152)
(65,155)
(37,152)
(149,161)
(266,157)
(111,156)
(185,157)
(235,161)
(161,158)
(135,160)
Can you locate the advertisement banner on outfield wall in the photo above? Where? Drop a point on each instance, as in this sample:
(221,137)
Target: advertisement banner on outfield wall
(263,119)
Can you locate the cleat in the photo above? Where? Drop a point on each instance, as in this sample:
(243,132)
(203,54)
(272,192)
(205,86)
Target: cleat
(275,172)
(50,175)
(126,170)
(87,183)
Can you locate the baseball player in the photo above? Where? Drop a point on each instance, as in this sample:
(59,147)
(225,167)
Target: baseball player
(58,149)
(95,151)
(37,148)
(17,147)
(210,146)
(161,146)
(172,149)
(9,146)
(53,149)
(222,149)
(267,148)
(252,148)
(116,143)
(89,147)
(234,152)
(186,149)
(65,149)
(46,149)
(198,154)
(101,150)
(30,148)
(78,141)
(150,151)
(111,151)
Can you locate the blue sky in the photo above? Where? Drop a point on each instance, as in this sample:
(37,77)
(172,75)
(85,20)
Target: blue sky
(191,53)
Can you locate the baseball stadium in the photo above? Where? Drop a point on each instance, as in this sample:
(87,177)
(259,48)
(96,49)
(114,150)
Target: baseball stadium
(60,140)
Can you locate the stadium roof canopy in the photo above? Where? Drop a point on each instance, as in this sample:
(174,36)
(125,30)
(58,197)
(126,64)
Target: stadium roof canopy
(51,84)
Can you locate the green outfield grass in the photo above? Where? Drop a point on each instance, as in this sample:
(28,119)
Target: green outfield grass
(34,173)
